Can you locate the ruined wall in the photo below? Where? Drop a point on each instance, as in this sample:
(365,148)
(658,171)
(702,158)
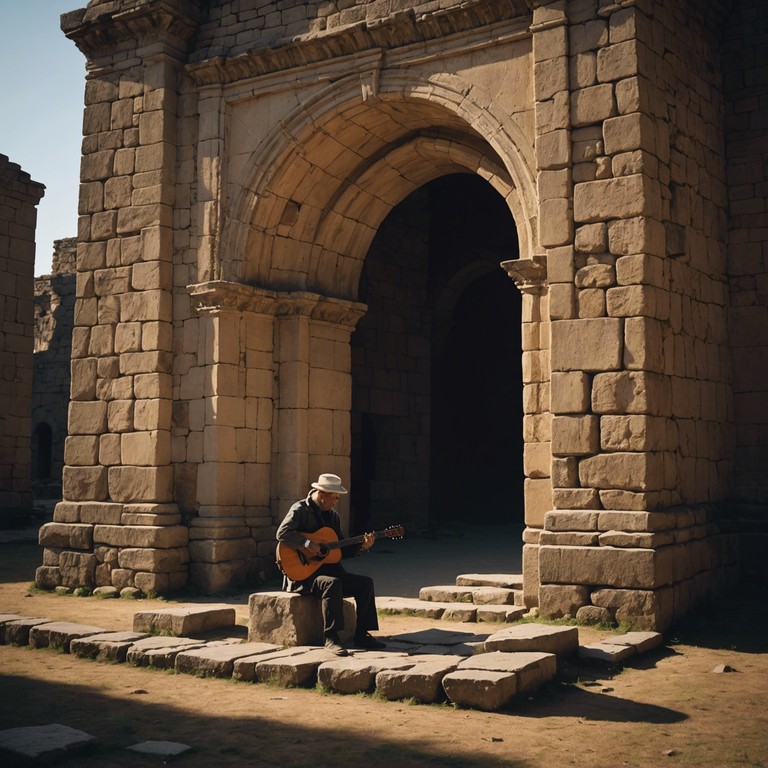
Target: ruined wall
(745,70)
(19,196)
(54,317)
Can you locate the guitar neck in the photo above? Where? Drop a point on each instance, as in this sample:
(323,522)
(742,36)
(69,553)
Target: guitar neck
(353,540)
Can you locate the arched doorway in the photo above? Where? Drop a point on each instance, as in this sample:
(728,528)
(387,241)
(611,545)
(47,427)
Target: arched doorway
(436,407)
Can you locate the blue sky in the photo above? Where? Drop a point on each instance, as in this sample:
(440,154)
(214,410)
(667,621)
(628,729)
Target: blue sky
(42,80)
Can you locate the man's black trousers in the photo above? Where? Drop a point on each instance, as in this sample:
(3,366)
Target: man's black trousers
(331,584)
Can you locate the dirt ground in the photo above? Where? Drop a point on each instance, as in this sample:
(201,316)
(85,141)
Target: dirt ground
(669,708)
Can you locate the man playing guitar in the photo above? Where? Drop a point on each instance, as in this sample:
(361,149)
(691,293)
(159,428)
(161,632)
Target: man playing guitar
(329,581)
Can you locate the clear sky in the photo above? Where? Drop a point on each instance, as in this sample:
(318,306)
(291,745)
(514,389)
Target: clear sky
(42,81)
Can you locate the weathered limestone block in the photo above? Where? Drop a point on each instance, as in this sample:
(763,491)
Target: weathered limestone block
(66,535)
(618,61)
(575,498)
(569,392)
(636,235)
(141,484)
(290,619)
(590,344)
(159,652)
(615,499)
(107,646)
(537,459)
(592,614)
(633,433)
(631,471)
(421,682)
(630,392)
(555,226)
(144,536)
(618,198)
(59,634)
(299,670)
(484,689)
(153,560)
(592,105)
(77,569)
(570,520)
(533,669)
(100,513)
(184,620)
(446,594)
(558,600)
(622,568)
(596,276)
(642,608)
(643,344)
(615,520)
(629,132)
(87,483)
(218,660)
(575,435)
(16,631)
(636,540)
(569,538)
(160,583)
(48,577)
(538,500)
(544,638)
(358,675)
(214,577)
(87,417)
(244,669)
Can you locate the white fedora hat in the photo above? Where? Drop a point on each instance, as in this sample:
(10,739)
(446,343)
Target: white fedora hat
(329,484)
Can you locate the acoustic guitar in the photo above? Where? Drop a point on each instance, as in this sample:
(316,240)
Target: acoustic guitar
(300,564)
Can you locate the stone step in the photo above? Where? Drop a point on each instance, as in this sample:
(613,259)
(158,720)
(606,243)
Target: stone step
(448,611)
(186,620)
(218,660)
(59,634)
(503,580)
(546,638)
(617,649)
(107,646)
(476,595)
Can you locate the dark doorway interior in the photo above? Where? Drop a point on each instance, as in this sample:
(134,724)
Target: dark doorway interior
(42,449)
(437,388)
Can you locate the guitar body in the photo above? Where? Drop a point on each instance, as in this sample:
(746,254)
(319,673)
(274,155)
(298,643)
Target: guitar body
(300,564)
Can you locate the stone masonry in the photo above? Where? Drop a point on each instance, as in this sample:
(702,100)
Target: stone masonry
(19,196)
(240,159)
(54,316)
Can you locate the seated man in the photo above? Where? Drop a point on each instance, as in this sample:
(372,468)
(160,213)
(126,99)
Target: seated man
(330,582)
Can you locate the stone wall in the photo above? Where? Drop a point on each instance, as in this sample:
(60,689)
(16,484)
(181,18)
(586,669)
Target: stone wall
(54,316)
(745,72)
(19,196)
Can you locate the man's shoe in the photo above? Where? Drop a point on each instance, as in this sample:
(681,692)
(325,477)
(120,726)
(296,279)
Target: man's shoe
(368,642)
(333,644)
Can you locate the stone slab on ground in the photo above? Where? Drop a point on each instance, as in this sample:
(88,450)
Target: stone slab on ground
(43,742)
(286,618)
(59,634)
(533,669)
(7,618)
(547,638)
(17,632)
(486,689)
(107,646)
(642,641)
(244,669)
(411,606)
(607,652)
(415,641)
(160,748)
(218,660)
(160,652)
(298,671)
(422,682)
(186,620)
(478,595)
(357,674)
(507,580)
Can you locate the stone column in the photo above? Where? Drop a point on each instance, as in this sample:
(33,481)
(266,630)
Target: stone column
(19,196)
(118,524)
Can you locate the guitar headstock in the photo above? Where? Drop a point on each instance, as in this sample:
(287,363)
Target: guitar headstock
(395,532)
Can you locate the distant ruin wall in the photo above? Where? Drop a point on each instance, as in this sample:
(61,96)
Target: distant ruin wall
(19,196)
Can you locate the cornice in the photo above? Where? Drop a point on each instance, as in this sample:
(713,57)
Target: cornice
(530,275)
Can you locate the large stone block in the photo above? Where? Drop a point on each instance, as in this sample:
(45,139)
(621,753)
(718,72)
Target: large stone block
(66,535)
(621,198)
(84,483)
(289,619)
(614,567)
(630,471)
(587,344)
(575,435)
(153,559)
(628,392)
(141,484)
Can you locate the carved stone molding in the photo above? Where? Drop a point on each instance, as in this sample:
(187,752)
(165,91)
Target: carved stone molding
(530,275)
(220,295)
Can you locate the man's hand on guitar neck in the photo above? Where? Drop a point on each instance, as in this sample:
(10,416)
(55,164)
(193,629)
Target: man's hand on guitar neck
(368,539)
